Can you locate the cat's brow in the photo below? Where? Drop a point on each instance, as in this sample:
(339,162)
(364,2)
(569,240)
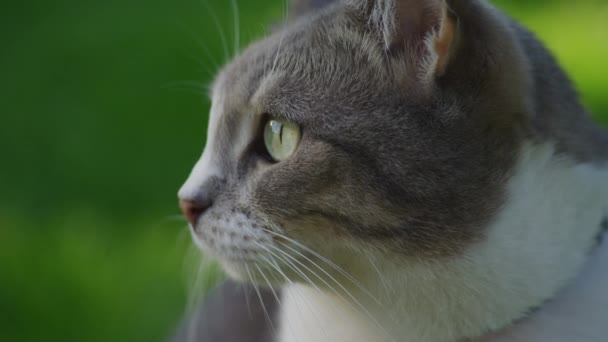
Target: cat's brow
(267,101)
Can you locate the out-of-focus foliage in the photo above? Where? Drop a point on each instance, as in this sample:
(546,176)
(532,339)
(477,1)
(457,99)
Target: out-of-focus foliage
(102,114)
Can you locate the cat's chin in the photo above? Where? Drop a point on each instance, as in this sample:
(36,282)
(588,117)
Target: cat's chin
(246,271)
(235,271)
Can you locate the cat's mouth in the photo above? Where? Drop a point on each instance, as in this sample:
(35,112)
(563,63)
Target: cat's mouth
(258,259)
(235,251)
(250,266)
(249,252)
(231,247)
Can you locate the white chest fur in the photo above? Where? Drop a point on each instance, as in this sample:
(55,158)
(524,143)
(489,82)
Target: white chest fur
(537,245)
(308,315)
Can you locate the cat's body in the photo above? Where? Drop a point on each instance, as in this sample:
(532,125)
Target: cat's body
(446,169)
(474,290)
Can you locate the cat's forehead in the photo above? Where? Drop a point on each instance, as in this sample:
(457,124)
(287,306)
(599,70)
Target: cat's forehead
(323,59)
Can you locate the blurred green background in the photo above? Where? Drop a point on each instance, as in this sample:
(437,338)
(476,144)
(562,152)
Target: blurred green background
(102,115)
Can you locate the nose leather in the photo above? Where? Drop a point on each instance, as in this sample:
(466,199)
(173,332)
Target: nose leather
(200,198)
(193,210)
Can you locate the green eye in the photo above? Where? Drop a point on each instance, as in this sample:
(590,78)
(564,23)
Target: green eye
(281,138)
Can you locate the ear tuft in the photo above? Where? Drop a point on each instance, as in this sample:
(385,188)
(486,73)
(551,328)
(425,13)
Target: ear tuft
(440,42)
(425,30)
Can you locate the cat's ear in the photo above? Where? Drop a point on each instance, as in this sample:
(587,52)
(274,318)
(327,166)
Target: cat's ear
(423,30)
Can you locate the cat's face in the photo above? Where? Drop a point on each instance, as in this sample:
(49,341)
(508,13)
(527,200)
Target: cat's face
(391,156)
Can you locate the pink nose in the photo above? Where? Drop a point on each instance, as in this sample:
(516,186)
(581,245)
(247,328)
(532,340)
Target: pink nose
(192,210)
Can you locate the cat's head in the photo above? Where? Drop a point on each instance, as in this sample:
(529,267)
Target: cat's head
(383,127)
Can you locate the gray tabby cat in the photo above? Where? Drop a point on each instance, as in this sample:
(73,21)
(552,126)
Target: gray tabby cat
(402,170)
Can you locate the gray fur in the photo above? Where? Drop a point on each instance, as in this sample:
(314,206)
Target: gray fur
(414,168)
(430,163)
(558,114)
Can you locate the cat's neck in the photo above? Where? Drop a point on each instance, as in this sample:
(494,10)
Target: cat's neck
(492,284)
(576,314)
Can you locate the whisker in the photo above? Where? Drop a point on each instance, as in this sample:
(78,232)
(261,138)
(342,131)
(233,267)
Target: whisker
(294,268)
(348,293)
(317,276)
(201,45)
(246,292)
(195,293)
(195,284)
(177,217)
(259,294)
(291,266)
(330,276)
(206,69)
(183,241)
(387,288)
(300,294)
(194,87)
(274,264)
(328,262)
(274,294)
(237,24)
(219,28)
(284,31)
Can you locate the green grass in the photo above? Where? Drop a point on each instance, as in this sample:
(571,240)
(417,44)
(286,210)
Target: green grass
(96,137)
(84,277)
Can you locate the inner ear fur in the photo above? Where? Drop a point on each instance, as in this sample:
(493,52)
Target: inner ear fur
(424,30)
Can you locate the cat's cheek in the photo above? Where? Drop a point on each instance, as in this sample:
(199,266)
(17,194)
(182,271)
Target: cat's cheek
(293,187)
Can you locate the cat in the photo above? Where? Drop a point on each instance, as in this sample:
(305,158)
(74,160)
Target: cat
(401,170)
